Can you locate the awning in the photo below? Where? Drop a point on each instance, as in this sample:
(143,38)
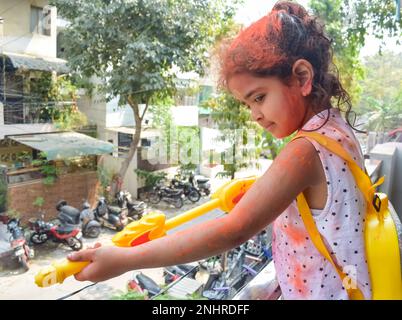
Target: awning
(19,129)
(62,145)
(22,61)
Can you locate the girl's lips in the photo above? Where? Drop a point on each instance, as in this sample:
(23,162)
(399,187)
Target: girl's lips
(269,125)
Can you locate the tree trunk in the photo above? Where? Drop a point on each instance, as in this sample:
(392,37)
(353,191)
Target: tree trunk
(134,144)
(272,148)
(234,162)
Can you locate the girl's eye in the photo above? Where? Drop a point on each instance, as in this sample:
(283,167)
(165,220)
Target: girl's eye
(259,98)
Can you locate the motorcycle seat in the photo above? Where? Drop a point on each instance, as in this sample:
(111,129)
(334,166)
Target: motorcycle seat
(114,210)
(173,192)
(71,211)
(202,181)
(64,229)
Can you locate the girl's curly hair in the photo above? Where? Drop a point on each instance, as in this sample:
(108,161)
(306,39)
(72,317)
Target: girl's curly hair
(271,45)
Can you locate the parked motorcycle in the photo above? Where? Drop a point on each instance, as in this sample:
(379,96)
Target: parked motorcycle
(188,189)
(229,272)
(171,196)
(135,209)
(69,235)
(109,216)
(173,273)
(141,282)
(69,215)
(201,184)
(19,244)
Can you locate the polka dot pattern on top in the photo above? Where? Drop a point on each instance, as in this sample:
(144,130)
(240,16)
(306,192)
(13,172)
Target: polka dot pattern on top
(302,272)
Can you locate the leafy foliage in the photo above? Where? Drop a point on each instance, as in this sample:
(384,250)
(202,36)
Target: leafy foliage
(151,178)
(39,202)
(381,102)
(56,98)
(348,23)
(237,129)
(47,168)
(137,48)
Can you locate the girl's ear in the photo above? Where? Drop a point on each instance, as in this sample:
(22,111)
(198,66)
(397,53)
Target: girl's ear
(304,73)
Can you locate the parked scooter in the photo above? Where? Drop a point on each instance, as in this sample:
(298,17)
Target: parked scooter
(171,196)
(142,283)
(201,184)
(135,209)
(19,244)
(69,235)
(109,216)
(69,215)
(173,273)
(188,189)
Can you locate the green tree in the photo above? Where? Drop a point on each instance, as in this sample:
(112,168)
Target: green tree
(382,114)
(381,100)
(273,145)
(138,47)
(383,77)
(57,100)
(348,22)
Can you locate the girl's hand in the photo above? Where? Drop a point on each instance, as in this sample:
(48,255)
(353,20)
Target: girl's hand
(106,263)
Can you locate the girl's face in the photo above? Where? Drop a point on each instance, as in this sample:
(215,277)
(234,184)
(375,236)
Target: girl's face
(278,108)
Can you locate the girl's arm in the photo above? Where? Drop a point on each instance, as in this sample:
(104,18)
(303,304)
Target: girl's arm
(296,168)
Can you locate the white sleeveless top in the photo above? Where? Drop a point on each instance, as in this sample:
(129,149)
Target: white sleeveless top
(302,272)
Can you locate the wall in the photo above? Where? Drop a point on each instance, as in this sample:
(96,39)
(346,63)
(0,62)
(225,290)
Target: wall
(18,38)
(94,107)
(113,165)
(397,186)
(119,116)
(73,188)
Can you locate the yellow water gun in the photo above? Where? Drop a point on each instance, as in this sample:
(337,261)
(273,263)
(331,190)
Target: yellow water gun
(150,227)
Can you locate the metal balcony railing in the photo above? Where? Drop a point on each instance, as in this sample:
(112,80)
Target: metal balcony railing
(22,112)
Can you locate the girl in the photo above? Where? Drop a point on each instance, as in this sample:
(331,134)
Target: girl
(280,68)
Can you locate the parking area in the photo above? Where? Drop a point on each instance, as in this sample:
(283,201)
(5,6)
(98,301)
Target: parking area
(17,285)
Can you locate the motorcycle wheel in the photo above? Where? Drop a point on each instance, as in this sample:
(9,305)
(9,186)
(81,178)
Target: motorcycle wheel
(119,227)
(154,198)
(23,261)
(178,203)
(38,238)
(74,243)
(194,195)
(136,216)
(92,232)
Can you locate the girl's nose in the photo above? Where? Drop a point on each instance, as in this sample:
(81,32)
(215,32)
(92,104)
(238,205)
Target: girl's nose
(256,115)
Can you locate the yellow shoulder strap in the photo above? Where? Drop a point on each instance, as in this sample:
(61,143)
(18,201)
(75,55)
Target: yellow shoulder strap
(308,220)
(362,179)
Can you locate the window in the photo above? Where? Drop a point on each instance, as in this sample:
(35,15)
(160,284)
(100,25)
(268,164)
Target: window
(145,142)
(41,20)
(124,140)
